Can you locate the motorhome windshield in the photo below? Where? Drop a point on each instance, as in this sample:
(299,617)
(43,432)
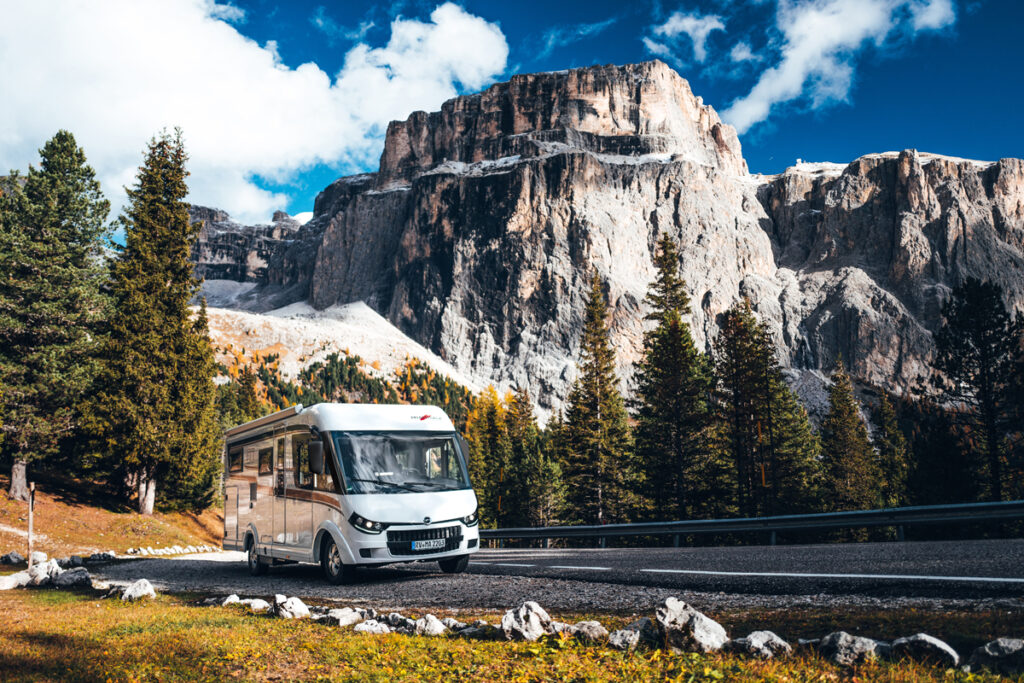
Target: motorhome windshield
(400,462)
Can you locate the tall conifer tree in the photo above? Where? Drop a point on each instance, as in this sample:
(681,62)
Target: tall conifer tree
(490,457)
(153,411)
(849,460)
(600,472)
(892,456)
(51,270)
(673,385)
(765,430)
(536,480)
(977,350)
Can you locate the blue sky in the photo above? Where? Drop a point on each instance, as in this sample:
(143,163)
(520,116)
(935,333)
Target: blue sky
(277,99)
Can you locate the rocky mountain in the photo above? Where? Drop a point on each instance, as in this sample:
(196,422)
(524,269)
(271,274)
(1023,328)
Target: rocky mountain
(477,234)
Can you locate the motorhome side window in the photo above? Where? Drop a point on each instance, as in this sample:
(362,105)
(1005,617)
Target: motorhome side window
(266,460)
(235,459)
(304,478)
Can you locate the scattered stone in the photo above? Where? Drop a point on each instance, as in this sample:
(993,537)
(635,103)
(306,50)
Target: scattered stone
(19,580)
(290,608)
(258,605)
(38,557)
(922,647)
(430,625)
(211,602)
(13,557)
(529,622)
(624,639)
(485,632)
(684,629)
(454,624)
(44,573)
(399,622)
(1002,655)
(561,627)
(368,613)
(230,600)
(63,562)
(114,592)
(762,644)
(77,561)
(647,631)
(847,650)
(591,632)
(73,578)
(346,616)
(138,590)
(371,626)
(102,557)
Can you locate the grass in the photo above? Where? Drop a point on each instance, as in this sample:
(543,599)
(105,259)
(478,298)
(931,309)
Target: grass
(70,518)
(50,635)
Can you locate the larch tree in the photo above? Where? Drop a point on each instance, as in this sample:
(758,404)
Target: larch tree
(51,272)
(673,385)
(600,472)
(978,349)
(153,410)
(489,458)
(848,457)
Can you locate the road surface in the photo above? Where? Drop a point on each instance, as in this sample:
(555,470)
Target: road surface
(954,573)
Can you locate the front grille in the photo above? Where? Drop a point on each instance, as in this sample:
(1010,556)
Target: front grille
(400,542)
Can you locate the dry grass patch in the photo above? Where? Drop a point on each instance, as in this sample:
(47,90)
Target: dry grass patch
(68,521)
(50,635)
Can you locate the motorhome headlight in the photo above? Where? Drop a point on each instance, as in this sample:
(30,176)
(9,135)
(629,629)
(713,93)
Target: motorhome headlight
(365,525)
(471,519)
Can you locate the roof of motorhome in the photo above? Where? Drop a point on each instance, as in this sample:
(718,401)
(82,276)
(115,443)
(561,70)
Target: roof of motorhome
(372,417)
(355,417)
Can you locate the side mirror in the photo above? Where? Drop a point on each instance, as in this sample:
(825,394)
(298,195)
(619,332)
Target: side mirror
(316,457)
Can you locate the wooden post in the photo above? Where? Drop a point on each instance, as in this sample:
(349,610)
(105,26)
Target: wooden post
(31,510)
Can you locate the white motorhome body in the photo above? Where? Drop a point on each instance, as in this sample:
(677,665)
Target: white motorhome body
(349,484)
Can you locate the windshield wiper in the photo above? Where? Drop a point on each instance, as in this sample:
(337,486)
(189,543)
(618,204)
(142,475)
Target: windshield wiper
(430,483)
(381,482)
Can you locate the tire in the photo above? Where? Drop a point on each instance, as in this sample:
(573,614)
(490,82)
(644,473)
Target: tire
(257,565)
(454,565)
(335,571)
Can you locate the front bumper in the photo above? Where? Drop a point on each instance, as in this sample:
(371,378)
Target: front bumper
(395,543)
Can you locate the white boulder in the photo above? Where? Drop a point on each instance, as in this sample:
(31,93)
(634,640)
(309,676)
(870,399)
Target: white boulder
(19,580)
(846,650)
(371,626)
(230,600)
(1002,655)
(38,557)
(42,574)
(591,632)
(761,644)
(684,629)
(430,625)
(290,608)
(528,622)
(345,616)
(624,639)
(138,590)
(922,647)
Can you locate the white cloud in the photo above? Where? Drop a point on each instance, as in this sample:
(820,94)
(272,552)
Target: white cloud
(566,35)
(117,72)
(335,31)
(694,25)
(741,52)
(303,217)
(819,46)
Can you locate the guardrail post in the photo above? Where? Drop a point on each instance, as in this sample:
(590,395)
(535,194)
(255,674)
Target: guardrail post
(771,540)
(545,543)
(899,533)
(675,541)
(602,543)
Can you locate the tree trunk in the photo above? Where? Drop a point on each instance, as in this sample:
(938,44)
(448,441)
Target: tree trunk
(147,492)
(19,480)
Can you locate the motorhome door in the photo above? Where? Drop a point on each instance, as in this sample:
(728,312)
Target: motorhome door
(281,472)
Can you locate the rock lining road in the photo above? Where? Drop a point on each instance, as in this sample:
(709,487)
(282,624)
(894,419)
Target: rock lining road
(616,580)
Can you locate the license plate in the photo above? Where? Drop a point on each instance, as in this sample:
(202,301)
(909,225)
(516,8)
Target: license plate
(432,544)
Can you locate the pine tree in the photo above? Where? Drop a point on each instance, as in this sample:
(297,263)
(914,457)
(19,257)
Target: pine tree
(152,412)
(763,428)
(892,458)
(248,399)
(535,485)
(51,270)
(673,385)
(849,460)
(600,473)
(977,350)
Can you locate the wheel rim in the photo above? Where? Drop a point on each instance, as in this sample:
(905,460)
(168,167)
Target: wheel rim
(334,560)
(252,558)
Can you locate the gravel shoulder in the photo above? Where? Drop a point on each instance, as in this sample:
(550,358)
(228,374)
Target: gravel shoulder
(422,585)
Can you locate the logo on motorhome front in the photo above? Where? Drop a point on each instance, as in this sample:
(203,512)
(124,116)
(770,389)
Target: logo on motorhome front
(426,520)
(421,418)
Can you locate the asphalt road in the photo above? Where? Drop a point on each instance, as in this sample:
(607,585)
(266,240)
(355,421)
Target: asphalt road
(932,574)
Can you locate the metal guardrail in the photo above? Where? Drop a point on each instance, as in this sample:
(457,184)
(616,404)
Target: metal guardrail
(886,517)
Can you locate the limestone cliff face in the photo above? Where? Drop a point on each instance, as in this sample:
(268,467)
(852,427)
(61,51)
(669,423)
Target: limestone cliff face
(477,235)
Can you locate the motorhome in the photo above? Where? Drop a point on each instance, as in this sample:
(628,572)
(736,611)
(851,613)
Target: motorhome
(347,485)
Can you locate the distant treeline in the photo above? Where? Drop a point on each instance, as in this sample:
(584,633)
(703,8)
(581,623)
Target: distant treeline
(107,373)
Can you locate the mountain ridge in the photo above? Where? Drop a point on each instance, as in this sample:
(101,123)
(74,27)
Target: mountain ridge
(476,235)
